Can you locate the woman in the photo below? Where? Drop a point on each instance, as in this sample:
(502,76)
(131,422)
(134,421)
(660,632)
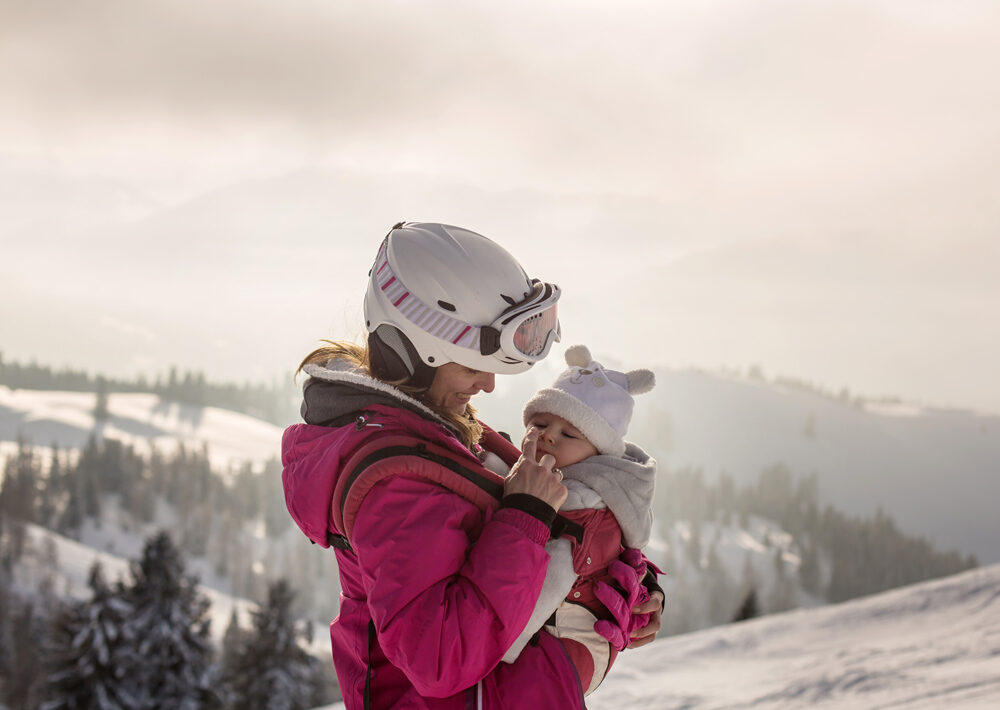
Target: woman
(437,579)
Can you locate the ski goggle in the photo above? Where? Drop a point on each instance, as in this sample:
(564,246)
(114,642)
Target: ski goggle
(526,330)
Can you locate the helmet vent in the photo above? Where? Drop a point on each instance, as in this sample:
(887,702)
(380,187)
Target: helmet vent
(447,306)
(507,298)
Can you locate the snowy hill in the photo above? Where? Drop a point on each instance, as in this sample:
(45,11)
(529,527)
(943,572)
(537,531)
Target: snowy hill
(143,421)
(934,471)
(929,646)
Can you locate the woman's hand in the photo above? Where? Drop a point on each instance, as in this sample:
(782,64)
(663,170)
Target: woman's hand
(646,634)
(536,479)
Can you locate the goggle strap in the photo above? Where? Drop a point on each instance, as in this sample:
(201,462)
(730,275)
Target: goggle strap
(489,340)
(428,319)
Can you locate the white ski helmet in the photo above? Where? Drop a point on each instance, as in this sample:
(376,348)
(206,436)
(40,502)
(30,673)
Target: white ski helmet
(439,294)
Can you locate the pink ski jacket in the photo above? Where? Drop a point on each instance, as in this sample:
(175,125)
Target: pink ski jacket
(444,586)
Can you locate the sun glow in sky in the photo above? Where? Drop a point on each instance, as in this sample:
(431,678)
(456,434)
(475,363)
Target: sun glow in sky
(808,187)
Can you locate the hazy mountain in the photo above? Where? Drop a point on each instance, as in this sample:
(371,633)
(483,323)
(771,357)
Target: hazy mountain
(935,471)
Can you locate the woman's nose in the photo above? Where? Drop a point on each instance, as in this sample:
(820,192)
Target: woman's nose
(487,382)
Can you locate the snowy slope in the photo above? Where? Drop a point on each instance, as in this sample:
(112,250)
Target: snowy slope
(142,420)
(932,645)
(928,647)
(934,471)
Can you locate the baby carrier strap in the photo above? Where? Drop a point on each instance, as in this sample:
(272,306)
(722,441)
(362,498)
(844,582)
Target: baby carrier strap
(386,456)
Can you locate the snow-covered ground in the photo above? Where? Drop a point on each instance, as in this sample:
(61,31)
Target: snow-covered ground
(143,421)
(930,646)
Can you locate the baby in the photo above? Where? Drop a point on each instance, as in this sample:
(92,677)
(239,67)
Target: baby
(581,422)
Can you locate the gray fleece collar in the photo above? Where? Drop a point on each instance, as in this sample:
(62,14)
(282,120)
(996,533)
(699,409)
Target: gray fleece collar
(338,389)
(626,485)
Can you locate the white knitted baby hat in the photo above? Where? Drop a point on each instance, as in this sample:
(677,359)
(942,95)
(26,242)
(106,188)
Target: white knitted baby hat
(596,401)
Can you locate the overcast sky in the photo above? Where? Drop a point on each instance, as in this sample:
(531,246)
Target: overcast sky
(826,173)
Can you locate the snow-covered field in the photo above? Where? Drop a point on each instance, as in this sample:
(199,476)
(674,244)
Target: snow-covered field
(141,420)
(934,645)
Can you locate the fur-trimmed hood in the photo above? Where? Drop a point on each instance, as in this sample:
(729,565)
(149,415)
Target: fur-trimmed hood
(338,389)
(624,483)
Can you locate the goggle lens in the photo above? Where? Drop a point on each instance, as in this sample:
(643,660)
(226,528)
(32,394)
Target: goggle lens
(532,335)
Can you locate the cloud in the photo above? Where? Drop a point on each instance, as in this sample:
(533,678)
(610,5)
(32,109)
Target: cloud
(863,137)
(680,98)
(129,329)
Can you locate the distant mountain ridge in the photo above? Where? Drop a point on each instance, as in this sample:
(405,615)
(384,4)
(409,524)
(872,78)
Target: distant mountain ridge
(935,471)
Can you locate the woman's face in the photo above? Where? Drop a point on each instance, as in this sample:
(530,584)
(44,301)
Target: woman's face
(455,384)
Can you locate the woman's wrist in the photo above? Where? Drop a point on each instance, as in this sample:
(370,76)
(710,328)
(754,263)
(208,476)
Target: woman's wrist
(532,505)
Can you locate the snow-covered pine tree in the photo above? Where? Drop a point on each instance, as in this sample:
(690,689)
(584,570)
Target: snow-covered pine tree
(23,676)
(271,670)
(87,654)
(169,624)
(101,413)
(6,596)
(748,609)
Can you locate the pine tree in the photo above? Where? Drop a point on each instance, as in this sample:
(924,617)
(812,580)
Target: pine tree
(749,608)
(52,492)
(809,570)
(88,653)
(170,624)
(101,413)
(694,545)
(271,670)
(23,675)
(18,497)
(782,596)
(6,601)
(719,598)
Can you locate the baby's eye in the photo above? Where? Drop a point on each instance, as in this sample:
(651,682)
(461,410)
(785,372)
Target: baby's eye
(539,425)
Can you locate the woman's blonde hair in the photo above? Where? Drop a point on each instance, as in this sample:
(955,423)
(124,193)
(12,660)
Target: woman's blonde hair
(466,426)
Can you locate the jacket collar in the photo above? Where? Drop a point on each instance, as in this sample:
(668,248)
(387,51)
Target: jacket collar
(338,390)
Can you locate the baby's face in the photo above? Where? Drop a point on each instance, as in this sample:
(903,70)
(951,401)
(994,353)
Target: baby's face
(562,440)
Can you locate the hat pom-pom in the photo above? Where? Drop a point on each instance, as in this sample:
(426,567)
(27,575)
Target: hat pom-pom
(640,381)
(578,356)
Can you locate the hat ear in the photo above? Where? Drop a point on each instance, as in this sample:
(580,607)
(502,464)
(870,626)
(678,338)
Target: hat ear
(640,381)
(578,356)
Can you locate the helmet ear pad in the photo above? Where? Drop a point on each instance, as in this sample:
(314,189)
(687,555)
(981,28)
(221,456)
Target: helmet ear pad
(392,358)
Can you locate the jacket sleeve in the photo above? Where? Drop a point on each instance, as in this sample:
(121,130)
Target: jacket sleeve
(446,608)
